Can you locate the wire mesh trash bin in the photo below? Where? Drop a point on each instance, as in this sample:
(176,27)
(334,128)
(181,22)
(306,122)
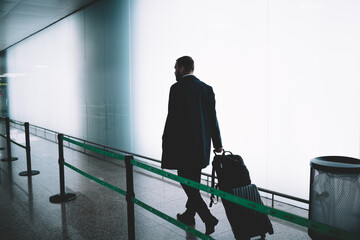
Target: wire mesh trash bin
(335,193)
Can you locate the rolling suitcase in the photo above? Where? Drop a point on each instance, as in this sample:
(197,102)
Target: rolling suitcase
(233,177)
(245,222)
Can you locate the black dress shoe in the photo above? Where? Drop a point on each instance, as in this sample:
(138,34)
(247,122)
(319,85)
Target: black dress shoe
(210,225)
(185,218)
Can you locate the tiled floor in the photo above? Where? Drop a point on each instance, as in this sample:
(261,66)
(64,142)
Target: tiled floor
(97,212)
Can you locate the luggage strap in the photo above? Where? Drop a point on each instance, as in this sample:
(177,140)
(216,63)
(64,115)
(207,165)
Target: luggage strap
(212,185)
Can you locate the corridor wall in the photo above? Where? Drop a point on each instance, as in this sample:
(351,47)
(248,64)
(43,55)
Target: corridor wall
(285,75)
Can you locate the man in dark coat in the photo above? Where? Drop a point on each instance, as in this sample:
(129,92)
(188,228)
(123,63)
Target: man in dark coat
(190,126)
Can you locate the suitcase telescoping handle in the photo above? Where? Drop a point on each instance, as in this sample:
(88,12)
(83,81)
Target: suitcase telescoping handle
(213,180)
(213,186)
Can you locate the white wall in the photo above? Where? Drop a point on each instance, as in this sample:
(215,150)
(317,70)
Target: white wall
(285,73)
(75,76)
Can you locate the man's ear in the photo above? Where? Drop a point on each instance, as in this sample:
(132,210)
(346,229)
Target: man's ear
(182,69)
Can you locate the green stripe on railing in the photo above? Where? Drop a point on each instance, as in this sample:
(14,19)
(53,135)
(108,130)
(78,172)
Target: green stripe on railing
(320,227)
(142,204)
(317,226)
(17,143)
(108,185)
(94,149)
(3,135)
(172,220)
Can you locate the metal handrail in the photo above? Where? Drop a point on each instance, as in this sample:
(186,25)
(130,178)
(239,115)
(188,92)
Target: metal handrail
(206,175)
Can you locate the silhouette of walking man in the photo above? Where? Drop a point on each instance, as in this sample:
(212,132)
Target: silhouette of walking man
(190,126)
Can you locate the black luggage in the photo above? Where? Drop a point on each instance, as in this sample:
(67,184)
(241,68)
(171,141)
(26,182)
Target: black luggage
(230,171)
(233,177)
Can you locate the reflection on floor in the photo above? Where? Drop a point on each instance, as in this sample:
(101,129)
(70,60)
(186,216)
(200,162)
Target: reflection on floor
(98,212)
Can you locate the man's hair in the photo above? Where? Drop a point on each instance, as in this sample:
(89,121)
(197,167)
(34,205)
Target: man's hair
(187,63)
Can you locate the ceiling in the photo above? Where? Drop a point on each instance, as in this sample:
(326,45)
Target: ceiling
(21,18)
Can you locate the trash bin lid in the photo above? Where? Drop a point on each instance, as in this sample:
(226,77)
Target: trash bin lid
(336,164)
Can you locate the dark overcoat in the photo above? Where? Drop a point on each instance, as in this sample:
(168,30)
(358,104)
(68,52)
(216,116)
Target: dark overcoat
(190,126)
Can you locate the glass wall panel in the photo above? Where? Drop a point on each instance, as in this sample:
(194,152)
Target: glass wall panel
(73,77)
(3,86)
(314,105)
(285,75)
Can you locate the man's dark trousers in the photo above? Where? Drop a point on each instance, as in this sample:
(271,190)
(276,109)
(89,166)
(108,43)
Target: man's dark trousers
(195,203)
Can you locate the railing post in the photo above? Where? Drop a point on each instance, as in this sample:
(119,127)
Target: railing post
(29,172)
(2,148)
(62,197)
(8,143)
(129,195)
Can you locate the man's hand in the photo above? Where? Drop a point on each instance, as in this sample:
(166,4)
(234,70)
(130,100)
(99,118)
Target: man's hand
(219,150)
